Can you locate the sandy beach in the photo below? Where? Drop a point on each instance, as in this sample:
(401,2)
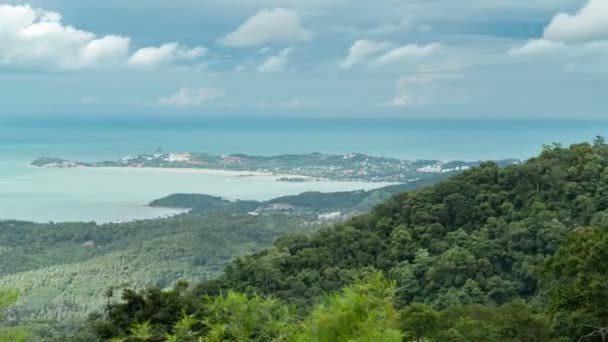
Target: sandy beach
(208,172)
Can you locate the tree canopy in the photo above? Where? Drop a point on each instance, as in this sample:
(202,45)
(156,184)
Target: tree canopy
(514,253)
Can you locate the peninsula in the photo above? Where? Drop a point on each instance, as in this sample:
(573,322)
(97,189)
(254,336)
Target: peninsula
(291,167)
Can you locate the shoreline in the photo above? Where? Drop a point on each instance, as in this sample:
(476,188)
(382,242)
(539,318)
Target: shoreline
(231,173)
(213,172)
(218,172)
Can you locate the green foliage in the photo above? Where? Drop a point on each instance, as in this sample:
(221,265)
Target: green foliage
(513,322)
(575,280)
(141,331)
(463,260)
(14,334)
(493,254)
(360,312)
(477,238)
(419,321)
(205,204)
(304,203)
(63,270)
(8,297)
(237,317)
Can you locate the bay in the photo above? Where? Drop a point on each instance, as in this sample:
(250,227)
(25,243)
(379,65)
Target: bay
(105,195)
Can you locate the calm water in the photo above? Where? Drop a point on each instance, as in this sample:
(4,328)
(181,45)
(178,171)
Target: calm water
(107,195)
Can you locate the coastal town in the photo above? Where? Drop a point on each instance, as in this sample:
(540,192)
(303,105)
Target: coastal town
(290,168)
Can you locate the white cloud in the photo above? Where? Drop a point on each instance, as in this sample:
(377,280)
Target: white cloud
(164,54)
(411,91)
(419,89)
(536,46)
(361,50)
(589,24)
(579,40)
(277,25)
(276,63)
(191,97)
(35,38)
(407,52)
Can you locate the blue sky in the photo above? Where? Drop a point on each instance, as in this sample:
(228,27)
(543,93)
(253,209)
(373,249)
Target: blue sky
(405,59)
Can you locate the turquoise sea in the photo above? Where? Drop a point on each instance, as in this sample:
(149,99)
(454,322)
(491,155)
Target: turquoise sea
(42,195)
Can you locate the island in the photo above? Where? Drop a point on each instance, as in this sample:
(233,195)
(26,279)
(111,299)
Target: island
(291,167)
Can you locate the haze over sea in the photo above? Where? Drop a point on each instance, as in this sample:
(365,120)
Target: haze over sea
(103,195)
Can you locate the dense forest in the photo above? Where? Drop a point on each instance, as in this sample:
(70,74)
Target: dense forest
(518,253)
(307,203)
(62,270)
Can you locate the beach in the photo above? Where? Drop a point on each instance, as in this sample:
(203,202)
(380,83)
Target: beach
(112,194)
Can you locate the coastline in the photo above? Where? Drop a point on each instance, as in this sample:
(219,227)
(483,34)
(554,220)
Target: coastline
(277,177)
(210,172)
(230,174)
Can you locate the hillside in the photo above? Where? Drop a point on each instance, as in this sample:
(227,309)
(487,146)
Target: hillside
(63,269)
(493,254)
(308,203)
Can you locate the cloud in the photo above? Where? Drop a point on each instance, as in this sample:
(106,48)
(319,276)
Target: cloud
(164,54)
(404,53)
(589,24)
(582,34)
(276,63)
(536,46)
(191,97)
(277,25)
(361,50)
(35,38)
(419,89)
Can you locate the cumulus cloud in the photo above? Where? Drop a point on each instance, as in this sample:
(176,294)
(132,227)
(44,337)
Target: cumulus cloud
(580,34)
(164,54)
(536,46)
(361,50)
(407,52)
(277,25)
(276,63)
(33,37)
(191,97)
(589,24)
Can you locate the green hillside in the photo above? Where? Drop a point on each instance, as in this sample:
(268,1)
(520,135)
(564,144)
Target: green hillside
(62,270)
(494,254)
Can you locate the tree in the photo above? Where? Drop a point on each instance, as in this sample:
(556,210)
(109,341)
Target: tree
(9,297)
(419,321)
(238,317)
(361,312)
(574,279)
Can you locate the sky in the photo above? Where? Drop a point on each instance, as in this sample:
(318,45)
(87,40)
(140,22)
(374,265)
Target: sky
(419,59)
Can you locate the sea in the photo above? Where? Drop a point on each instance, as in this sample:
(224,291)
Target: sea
(109,195)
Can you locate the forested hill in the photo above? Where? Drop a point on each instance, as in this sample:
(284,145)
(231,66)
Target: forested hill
(495,254)
(344,202)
